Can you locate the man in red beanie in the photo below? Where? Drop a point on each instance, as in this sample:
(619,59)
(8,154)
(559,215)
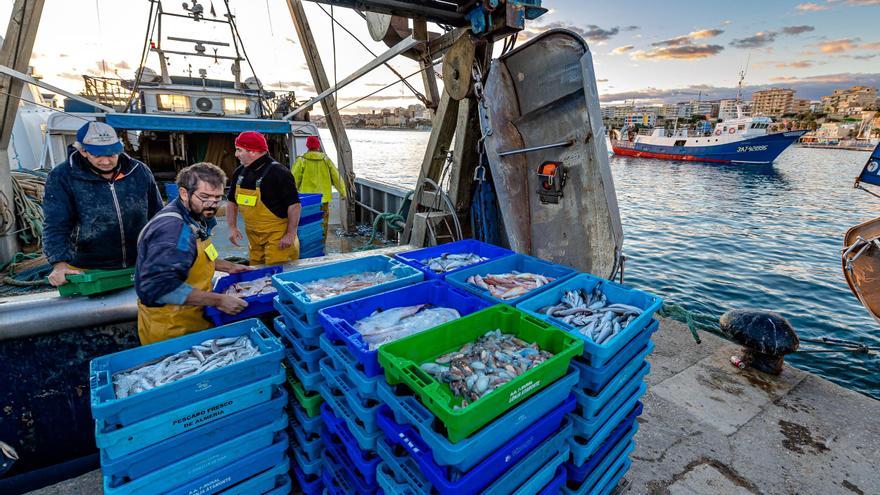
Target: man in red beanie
(266,194)
(315,173)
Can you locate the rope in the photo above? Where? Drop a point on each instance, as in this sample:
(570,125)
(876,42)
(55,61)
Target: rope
(28,191)
(394,221)
(694,320)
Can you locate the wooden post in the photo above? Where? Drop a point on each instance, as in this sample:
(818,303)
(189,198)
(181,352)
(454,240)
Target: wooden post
(429,77)
(464,159)
(334,120)
(15,54)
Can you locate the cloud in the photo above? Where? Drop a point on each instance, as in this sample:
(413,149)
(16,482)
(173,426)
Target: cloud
(677,41)
(797,64)
(601,80)
(293,85)
(757,40)
(861,3)
(591,32)
(811,7)
(70,75)
(838,46)
(866,57)
(684,52)
(629,28)
(705,33)
(796,30)
(622,49)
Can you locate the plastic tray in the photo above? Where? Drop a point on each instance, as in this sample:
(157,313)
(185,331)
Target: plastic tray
(401,362)
(290,290)
(273,481)
(339,320)
(606,475)
(310,443)
(140,435)
(414,258)
(308,484)
(467,453)
(597,354)
(294,326)
(257,305)
(311,218)
(238,471)
(545,475)
(595,379)
(311,381)
(612,446)
(366,439)
(307,465)
(490,468)
(343,361)
(556,484)
(362,408)
(309,356)
(588,427)
(591,406)
(364,461)
(310,199)
(111,413)
(310,404)
(128,469)
(393,484)
(583,447)
(310,424)
(516,262)
(96,282)
(338,479)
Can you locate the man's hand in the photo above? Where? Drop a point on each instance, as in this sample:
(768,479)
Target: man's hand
(60,272)
(238,268)
(235,236)
(231,305)
(287,240)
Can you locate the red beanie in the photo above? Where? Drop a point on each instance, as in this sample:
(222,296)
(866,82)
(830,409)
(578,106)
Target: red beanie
(313,143)
(251,141)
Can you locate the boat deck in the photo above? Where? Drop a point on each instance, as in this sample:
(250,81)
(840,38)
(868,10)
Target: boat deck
(709,428)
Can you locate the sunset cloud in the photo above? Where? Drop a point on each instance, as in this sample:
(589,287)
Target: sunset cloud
(684,52)
(795,30)
(590,32)
(705,33)
(811,7)
(757,40)
(838,46)
(622,49)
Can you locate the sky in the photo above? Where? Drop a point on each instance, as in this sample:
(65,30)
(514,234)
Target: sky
(646,52)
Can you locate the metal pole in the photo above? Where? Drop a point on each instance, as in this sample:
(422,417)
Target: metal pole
(36,82)
(561,144)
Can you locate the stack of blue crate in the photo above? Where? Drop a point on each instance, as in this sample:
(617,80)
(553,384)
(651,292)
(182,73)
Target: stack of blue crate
(310,230)
(221,431)
(316,467)
(610,384)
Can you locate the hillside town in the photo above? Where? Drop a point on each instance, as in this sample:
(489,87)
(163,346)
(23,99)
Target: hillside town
(412,117)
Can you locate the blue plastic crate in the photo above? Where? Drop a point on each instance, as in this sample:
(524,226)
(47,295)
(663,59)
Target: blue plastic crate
(339,320)
(415,258)
(257,305)
(311,382)
(366,481)
(391,483)
(448,480)
(273,481)
(364,461)
(515,262)
(596,354)
(295,325)
(308,484)
(608,484)
(309,356)
(111,413)
(591,405)
(588,426)
(606,475)
(307,465)
(467,453)
(595,379)
(366,440)
(290,290)
(364,409)
(165,425)
(128,469)
(310,443)
(556,484)
(544,476)
(311,218)
(404,474)
(310,199)
(337,478)
(612,446)
(343,361)
(584,446)
(236,472)
(309,425)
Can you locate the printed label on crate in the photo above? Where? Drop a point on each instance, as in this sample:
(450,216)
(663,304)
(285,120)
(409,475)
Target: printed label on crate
(196,418)
(211,486)
(408,443)
(520,448)
(523,390)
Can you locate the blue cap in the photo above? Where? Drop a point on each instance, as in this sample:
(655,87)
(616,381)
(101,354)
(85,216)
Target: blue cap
(99,139)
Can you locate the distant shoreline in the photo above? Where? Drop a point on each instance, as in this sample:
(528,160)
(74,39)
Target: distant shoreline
(381,129)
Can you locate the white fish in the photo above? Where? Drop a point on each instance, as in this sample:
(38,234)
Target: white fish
(409,320)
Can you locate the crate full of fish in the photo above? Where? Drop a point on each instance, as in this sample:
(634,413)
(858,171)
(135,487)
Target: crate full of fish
(136,384)
(365,324)
(445,259)
(595,378)
(471,370)
(606,315)
(315,288)
(254,286)
(510,279)
(452,481)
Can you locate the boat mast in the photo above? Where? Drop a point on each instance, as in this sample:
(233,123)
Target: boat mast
(739,87)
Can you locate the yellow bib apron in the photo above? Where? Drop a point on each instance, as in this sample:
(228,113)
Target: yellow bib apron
(264,230)
(171,320)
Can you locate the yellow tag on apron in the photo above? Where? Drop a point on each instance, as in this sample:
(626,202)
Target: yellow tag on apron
(246,200)
(211,251)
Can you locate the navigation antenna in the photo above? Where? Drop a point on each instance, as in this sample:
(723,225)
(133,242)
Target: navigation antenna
(739,87)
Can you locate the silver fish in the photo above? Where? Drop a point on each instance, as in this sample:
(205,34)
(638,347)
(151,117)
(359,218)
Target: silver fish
(447,262)
(592,315)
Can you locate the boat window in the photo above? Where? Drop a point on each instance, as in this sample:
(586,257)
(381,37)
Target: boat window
(173,103)
(235,105)
(741,127)
(680,142)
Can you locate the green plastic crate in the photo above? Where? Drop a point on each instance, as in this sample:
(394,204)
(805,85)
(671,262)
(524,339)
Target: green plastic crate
(310,402)
(401,361)
(96,282)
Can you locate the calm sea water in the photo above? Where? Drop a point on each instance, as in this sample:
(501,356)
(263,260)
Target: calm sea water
(719,237)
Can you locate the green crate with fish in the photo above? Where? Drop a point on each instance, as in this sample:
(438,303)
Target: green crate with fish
(92,282)
(472,370)
(510,279)
(604,314)
(439,261)
(315,288)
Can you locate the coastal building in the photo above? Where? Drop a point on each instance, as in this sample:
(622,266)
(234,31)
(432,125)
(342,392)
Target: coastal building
(727,109)
(647,119)
(850,101)
(799,105)
(773,102)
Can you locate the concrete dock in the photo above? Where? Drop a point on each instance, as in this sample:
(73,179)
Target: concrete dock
(710,428)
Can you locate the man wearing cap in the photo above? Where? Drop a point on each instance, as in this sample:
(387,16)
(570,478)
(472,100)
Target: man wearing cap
(95,204)
(315,173)
(265,193)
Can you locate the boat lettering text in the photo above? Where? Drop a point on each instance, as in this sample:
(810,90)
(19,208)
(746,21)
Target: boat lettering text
(760,147)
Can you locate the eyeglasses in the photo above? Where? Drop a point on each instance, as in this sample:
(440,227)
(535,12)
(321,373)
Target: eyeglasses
(209,200)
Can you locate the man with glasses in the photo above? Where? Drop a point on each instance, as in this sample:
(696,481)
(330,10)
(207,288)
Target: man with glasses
(95,204)
(265,193)
(176,260)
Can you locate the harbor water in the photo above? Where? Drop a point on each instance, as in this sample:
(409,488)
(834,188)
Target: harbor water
(719,237)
